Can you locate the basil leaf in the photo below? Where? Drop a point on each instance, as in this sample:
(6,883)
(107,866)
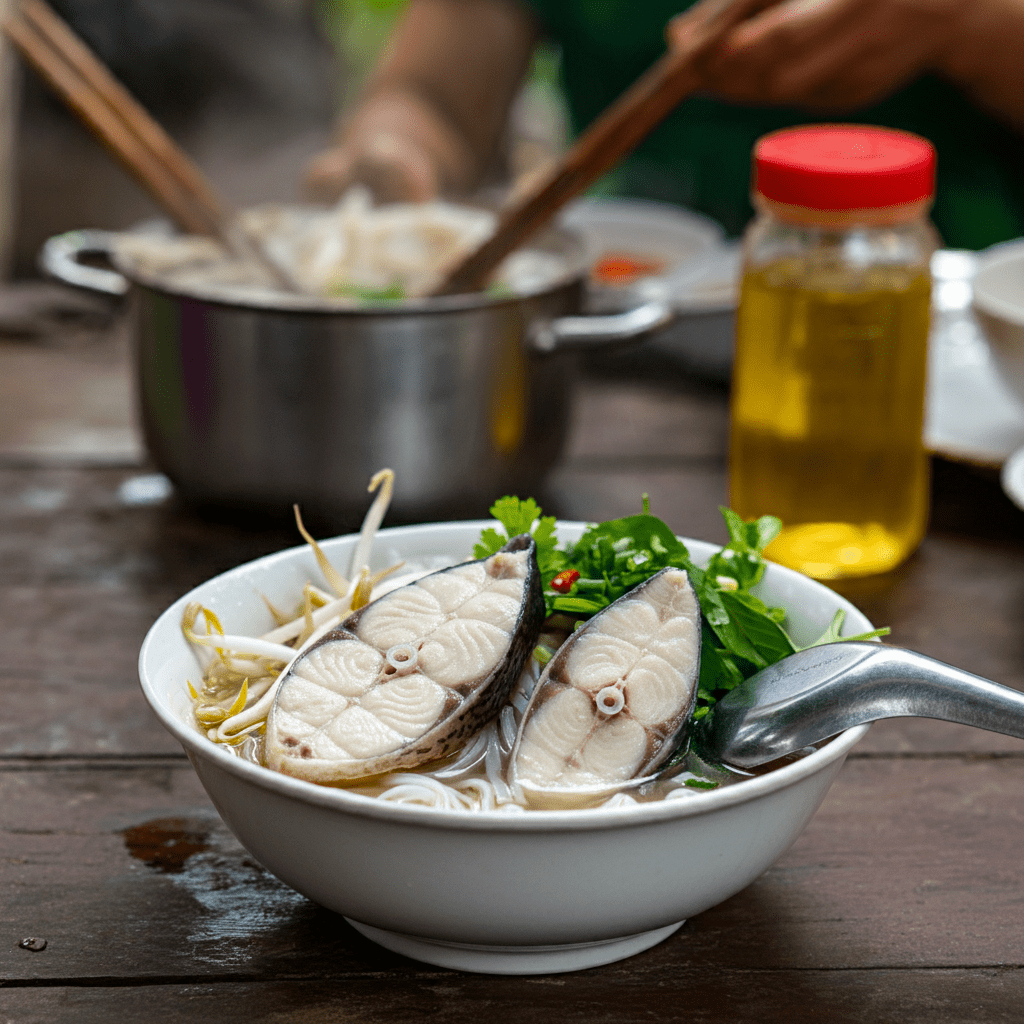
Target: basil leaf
(748,616)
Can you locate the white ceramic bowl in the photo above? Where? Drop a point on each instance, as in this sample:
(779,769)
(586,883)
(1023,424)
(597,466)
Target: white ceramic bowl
(999,306)
(534,893)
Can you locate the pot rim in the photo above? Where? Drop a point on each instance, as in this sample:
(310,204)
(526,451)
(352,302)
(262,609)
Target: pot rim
(561,241)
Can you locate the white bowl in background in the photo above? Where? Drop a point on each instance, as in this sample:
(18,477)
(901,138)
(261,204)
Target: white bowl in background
(533,893)
(642,228)
(999,306)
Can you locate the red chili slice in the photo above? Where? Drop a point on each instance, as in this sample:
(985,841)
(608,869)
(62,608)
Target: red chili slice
(624,268)
(564,580)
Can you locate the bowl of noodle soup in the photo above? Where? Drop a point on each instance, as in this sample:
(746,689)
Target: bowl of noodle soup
(501,890)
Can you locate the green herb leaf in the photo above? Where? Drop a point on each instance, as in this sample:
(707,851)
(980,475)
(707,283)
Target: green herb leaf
(834,632)
(544,534)
(490,542)
(392,293)
(741,634)
(499,290)
(518,516)
(515,515)
(749,615)
(577,605)
(768,528)
(541,654)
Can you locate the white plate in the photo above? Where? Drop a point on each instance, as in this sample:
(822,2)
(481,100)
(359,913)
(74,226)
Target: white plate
(970,416)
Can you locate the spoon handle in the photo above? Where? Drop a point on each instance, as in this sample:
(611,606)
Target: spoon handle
(825,690)
(908,684)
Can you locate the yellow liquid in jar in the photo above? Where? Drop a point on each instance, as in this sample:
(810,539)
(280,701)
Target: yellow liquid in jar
(828,413)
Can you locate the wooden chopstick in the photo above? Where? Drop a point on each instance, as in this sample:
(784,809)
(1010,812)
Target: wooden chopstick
(614,134)
(138,142)
(62,40)
(110,127)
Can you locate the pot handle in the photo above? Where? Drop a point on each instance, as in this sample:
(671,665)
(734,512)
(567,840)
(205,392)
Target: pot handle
(60,257)
(594,331)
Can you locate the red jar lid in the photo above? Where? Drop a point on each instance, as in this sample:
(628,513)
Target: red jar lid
(844,167)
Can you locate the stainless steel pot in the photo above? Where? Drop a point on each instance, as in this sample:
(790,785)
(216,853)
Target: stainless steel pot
(466,398)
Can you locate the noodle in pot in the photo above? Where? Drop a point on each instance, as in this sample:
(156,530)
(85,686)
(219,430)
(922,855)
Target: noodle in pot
(350,254)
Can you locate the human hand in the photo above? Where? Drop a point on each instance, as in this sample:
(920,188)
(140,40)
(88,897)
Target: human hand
(391,166)
(398,147)
(829,55)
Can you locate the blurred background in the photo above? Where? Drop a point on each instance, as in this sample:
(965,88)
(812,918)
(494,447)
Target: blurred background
(250,88)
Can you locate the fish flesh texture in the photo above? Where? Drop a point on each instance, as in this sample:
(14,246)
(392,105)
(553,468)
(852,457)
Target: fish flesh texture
(615,700)
(410,677)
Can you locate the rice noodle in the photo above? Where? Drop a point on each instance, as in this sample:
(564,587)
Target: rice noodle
(508,727)
(470,756)
(486,795)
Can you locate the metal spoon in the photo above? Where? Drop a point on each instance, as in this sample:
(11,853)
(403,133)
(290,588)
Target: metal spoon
(822,691)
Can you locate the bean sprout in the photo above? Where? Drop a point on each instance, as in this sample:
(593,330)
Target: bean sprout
(255,666)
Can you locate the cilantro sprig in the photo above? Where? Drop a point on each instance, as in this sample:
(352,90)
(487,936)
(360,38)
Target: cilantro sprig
(740,633)
(523,516)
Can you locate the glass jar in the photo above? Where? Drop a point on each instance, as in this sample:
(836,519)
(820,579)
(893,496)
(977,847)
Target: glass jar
(829,380)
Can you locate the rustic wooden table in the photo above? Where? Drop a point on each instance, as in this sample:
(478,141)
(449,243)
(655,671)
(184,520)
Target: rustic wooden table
(902,901)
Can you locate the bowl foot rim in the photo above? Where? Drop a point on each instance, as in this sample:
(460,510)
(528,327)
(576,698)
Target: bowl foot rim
(482,959)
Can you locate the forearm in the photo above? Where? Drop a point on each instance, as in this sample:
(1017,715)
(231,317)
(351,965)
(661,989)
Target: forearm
(445,84)
(986,57)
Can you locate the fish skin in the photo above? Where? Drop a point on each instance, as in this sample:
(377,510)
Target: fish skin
(461,718)
(662,738)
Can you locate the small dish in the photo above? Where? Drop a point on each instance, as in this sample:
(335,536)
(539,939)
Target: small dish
(529,893)
(650,239)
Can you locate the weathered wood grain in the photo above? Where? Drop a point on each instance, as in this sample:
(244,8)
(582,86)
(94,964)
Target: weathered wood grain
(909,864)
(902,900)
(83,575)
(705,995)
(670,416)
